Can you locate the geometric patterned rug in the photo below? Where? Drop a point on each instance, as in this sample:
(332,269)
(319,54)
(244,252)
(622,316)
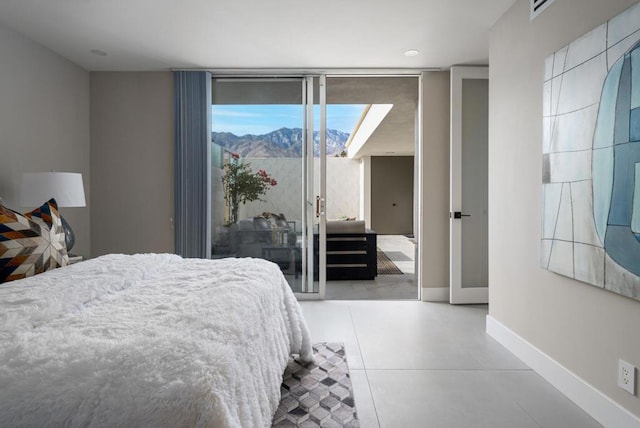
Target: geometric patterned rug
(318,394)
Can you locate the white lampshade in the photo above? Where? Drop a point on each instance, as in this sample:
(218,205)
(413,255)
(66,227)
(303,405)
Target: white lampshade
(38,187)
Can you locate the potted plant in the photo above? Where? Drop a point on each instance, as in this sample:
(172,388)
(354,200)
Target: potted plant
(242,185)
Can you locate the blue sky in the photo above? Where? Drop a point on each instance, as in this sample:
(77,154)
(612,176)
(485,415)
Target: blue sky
(261,119)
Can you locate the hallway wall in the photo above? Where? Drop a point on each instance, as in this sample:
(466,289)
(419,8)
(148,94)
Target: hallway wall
(434,172)
(584,328)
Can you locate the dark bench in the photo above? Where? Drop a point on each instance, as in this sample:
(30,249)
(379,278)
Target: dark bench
(351,251)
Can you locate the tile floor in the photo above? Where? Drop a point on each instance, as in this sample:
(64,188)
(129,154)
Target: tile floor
(432,365)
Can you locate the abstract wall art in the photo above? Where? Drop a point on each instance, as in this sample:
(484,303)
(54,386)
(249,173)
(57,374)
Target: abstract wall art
(591,157)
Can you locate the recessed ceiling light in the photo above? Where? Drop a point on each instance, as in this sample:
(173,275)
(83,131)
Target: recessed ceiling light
(98,52)
(412,52)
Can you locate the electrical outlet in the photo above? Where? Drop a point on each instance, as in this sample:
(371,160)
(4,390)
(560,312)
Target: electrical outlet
(627,377)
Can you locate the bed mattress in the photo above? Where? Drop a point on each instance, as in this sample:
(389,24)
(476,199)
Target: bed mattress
(148,340)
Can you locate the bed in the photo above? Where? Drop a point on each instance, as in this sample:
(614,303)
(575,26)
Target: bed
(148,340)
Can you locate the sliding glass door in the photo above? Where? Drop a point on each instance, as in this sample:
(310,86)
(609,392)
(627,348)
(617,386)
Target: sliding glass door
(268,164)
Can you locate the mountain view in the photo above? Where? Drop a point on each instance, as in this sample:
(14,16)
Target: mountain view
(284,142)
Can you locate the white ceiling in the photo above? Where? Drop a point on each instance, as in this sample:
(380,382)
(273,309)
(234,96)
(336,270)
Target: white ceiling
(395,135)
(329,34)
(140,35)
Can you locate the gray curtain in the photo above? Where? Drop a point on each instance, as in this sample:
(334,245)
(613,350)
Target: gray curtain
(192,97)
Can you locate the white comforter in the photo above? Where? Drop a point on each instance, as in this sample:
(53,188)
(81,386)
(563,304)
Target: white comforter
(148,340)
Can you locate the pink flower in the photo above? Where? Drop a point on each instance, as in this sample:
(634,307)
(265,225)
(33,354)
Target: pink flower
(273,182)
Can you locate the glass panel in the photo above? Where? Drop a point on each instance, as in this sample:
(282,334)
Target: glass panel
(257,173)
(266,128)
(475,95)
(341,184)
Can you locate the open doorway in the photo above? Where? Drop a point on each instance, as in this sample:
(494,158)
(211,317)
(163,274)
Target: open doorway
(383,144)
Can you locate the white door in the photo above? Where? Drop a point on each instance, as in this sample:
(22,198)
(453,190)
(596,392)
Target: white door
(468,276)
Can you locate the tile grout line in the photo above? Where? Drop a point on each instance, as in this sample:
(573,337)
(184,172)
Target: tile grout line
(364,366)
(524,410)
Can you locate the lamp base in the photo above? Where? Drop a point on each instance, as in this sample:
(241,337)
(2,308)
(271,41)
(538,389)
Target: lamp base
(69,235)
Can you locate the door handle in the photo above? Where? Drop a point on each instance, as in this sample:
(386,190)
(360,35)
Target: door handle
(458,214)
(319,206)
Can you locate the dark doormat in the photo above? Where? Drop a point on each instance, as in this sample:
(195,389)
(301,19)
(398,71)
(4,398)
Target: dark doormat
(386,266)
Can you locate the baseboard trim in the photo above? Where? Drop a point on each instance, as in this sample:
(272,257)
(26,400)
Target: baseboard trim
(602,408)
(435,294)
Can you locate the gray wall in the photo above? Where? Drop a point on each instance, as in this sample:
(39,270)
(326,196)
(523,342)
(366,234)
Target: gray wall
(392,194)
(584,328)
(434,212)
(44,123)
(132,162)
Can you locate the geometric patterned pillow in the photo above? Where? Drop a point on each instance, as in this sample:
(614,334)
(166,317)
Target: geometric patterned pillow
(31,243)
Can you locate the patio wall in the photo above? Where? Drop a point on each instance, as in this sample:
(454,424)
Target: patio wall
(343,189)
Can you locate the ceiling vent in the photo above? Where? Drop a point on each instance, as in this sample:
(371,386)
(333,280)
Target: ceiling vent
(537,6)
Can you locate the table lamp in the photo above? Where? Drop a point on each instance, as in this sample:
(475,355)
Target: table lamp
(66,187)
